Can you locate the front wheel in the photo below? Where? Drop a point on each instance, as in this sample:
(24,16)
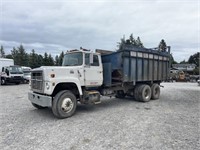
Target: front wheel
(64,104)
(3,81)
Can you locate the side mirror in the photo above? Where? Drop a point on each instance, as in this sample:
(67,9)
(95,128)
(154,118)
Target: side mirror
(91,58)
(7,72)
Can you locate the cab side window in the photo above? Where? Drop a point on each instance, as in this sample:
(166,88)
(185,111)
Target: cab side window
(87,59)
(95,60)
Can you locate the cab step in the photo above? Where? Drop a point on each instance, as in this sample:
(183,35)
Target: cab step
(92,97)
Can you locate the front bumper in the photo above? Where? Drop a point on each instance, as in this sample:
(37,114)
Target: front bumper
(14,79)
(41,100)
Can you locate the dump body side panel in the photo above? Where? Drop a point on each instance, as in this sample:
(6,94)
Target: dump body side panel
(135,65)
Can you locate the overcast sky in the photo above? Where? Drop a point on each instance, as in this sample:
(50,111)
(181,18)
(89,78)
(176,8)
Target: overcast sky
(53,26)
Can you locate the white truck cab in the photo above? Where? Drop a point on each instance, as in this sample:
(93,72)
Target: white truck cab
(87,65)
(11,74)
(80,70)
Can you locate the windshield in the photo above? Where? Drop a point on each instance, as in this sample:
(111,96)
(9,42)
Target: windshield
(73,59)
(15,70)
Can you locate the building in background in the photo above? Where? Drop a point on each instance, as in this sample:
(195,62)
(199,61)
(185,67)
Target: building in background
(184,67)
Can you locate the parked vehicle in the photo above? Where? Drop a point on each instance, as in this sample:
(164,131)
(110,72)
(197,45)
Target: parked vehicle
(86,76)
(198,81)
(6,62)
(10,73)
(181,76)
(27,74)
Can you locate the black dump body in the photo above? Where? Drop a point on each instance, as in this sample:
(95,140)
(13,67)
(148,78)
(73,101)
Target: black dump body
(134,65)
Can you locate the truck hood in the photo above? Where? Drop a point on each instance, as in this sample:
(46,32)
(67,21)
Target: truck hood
(59,71)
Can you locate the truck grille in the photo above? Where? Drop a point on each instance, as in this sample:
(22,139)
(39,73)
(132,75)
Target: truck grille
(37,81)
(17,77)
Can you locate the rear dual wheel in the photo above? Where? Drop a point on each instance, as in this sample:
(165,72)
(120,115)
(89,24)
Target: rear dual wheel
(144,92)
(155,91)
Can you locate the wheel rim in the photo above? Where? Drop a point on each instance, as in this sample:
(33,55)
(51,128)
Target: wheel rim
(67,105)
(146,93)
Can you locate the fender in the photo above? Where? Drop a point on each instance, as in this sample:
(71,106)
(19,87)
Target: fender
(67,80)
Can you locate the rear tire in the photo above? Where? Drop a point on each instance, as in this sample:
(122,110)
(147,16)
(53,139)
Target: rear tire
(136,92)
(155,91)
(144,93)
(64,104)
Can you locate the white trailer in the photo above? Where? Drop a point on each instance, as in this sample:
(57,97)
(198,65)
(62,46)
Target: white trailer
(5,62)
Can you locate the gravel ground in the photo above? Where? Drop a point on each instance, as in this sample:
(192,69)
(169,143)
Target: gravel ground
(172,122)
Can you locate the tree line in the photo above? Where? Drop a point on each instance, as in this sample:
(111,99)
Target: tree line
(32,59)
(138,43)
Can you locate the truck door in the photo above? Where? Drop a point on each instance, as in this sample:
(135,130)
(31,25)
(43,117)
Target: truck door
(93,71)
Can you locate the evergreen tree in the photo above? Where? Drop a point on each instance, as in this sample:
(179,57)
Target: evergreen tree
(40,61)
(2,52)
(162,46)
(172,61)
(15,56)
(50,60)
(139,43)
(61,58)
(56,60)
(22,56)
(183,62)
(194,59)
(46,59)
(132,40)
(121,43)
(33,59)
(9,56)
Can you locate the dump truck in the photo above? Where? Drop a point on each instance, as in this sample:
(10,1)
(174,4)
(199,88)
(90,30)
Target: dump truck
(85,76)
(10,73)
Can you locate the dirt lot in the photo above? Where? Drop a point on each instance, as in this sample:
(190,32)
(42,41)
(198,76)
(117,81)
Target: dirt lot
(172,122)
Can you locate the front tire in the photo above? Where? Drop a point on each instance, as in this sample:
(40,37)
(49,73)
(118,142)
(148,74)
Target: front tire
(64,104)
(17,83)
(3,81)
